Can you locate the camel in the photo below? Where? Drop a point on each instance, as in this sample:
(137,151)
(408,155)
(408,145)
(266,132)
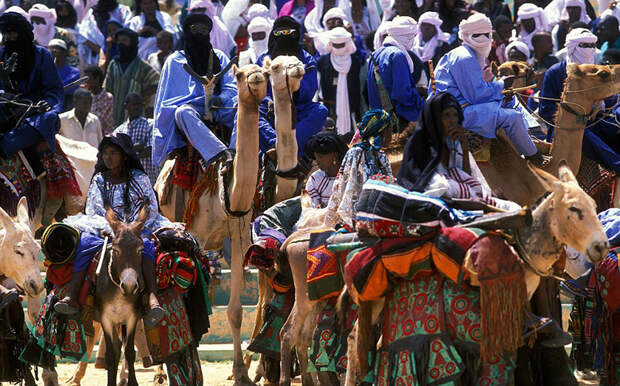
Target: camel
(566,217)
(585,85)
(252,88)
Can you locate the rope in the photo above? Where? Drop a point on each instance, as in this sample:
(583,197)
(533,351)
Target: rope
(110,274)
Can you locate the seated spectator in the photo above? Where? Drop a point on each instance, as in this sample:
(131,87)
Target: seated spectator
(492,8)
(328,150)
(68,74)
(140,130)
(430,43)
(297,9)
(165,43)
(148,22)
(103,101)
(43,20)
(574,11)
(518,51)
(66,29)
(79,123)
(531,19)
(562,54)
(543,51)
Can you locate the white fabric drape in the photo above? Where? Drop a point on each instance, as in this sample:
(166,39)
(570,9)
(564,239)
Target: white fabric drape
(576,54)
(477,24)
(340,58)
(426,50)
(258,47)
(43,33)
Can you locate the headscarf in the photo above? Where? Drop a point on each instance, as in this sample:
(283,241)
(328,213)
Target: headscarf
(258,47)
(401,34)
(531,11)
(258,10)
(220,37)
(334,13)
(101,11)
(426,50)
(124,142)
(341,61)
(576,54)
(43,33)
(380,35)
(198,48)
(584,18)
(477,23)
(57,43)
(327,142)
(284,45)
(424,148)
(24,46)
(66,21)
(314,21)
(127,53)
(20,10)
(520,46)
(371,128)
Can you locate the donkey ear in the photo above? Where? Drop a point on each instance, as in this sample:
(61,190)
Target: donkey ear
(136,226)
(22,211)
(6,221)
(548,181)
(565,174)
(112,220)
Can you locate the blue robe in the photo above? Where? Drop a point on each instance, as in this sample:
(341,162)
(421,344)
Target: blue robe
(459,73)
(552,86)
(311,115)
(399,83)
(43,84)
(177,89)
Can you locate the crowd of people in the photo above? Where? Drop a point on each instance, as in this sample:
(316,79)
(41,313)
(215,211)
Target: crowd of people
(116,76)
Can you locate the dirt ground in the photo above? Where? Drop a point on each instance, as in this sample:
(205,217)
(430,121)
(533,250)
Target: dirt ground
(214,373)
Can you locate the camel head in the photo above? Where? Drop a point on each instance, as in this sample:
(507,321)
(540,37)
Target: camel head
(286,73)
(19,256)
(571,214)
(251,82)
(521,70)
(592,83)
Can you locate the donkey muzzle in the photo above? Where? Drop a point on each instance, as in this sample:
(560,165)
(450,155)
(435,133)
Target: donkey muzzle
(129,282)
(597,251)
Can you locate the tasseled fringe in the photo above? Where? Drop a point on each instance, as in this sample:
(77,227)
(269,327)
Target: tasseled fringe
(501,315)
(206,184)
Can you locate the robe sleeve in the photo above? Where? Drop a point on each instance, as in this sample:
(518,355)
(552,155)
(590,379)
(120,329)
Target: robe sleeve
(94,200)
(309,83)
(468,78)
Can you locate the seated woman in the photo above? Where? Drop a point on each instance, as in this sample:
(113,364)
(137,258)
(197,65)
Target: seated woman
(120,183)
(363,160)
(437,161)
(328,150)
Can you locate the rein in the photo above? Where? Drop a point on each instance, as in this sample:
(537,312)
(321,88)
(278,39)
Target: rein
(118,284)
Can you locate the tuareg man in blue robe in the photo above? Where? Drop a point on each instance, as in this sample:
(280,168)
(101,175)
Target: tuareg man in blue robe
(310,115)
(399,69)
(179,103)
(459,73)
(35,78)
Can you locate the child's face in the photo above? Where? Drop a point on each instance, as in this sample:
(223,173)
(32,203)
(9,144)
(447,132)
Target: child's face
(325,161)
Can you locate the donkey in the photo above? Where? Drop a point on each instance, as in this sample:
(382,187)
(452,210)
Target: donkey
(118,292)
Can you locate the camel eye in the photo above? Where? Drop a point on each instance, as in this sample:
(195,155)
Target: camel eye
(578,211)
(239,76)
(603,74)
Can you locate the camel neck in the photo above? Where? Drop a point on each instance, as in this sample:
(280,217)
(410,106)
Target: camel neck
(286,143)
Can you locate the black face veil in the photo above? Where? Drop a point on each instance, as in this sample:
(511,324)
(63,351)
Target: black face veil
(23,46)
(284,38)
(198,48)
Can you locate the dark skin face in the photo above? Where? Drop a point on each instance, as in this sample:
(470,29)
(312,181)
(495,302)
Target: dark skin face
(450,126)
(134,108)
(259,35)
(504,32)
(164,44)
(92,84)
(63,11)
(574,14)
(544,45)
(428,31)
(113,159)
(112,28)
(334,22)
(148,7)
(37,20)
(124,40)
(10,36)
(516,55)
(59,55)
(328,163)
(529,25)
(606,31)
(82,105)
(402,7)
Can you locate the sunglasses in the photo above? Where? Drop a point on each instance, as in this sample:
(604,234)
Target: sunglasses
(199,29)
(587,45)
(284,32)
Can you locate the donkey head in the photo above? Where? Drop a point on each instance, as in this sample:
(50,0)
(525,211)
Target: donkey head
(19,251)
(572,214)
(126,251)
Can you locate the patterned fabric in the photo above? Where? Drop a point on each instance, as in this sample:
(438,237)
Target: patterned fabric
(267,341)
(583,326)
(61,178)
(175,269)
(371,128)
(450,248)
(140,131)
(103,108)
(172,334)
(184,368)
(17,180)
(186,169)
(357,167)
(319,187)
(598,182)
(431,332)
(324,275)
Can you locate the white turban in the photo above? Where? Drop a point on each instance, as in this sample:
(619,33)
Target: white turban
(206,4)
(426,50)
(258,47)
(531,11)
(477,23)
(341,61)
(401,32)
(258,10)
(584,18)
(520,46)
(576,54)
(43,33)
(20,10)
(380,34)
(333,13)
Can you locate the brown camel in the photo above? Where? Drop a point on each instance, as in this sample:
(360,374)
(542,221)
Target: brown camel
(252,88)
(585,85)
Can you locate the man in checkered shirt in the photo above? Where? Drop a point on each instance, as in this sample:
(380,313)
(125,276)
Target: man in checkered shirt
(140,130)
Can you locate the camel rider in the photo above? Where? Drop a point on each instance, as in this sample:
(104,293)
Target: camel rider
(284,39)
(36,79)
(460,73)
(180,99)
(120,183)
(399,71)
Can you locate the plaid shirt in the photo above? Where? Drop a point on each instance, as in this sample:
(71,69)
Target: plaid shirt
(103,108)
(140,131)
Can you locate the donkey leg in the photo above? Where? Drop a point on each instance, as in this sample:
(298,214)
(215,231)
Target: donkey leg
(240,240)
(113,351)
(130,352)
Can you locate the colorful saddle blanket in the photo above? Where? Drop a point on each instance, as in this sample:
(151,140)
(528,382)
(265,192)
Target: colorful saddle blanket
(324,275)
(18,180)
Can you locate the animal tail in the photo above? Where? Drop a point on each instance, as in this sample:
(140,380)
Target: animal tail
(364,335)
(342,306)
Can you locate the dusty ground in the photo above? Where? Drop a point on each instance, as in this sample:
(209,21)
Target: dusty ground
(215,373)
